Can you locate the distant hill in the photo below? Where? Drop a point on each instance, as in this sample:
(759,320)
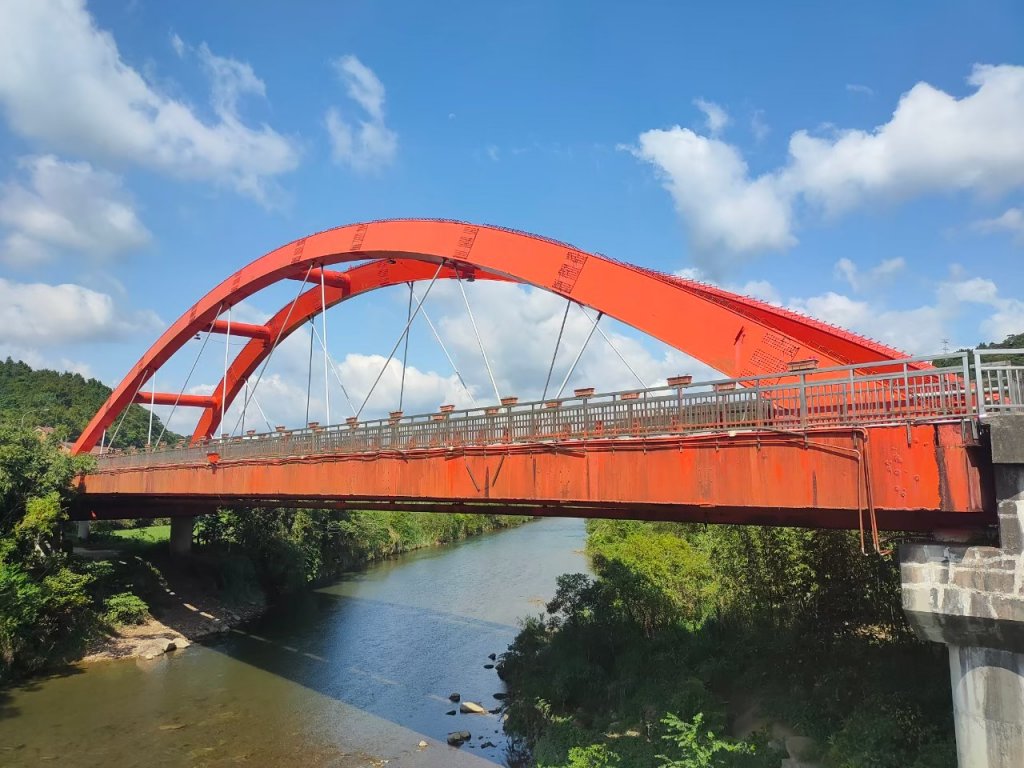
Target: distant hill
(66,401)
(1013,341)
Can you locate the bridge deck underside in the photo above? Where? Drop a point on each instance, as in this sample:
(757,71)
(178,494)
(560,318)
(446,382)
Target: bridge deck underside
(923,477)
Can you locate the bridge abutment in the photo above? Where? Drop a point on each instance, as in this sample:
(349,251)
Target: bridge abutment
(972,599)
(182,529)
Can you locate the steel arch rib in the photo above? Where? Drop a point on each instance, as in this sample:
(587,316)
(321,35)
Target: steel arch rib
(733,334)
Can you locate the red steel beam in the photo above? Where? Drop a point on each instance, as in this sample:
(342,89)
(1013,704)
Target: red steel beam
(173,398)
(248,330)
(922,477)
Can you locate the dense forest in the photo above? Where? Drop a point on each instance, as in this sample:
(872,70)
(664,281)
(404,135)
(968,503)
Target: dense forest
(65,401)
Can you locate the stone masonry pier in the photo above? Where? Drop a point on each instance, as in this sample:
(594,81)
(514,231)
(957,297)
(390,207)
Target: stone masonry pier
(972,599)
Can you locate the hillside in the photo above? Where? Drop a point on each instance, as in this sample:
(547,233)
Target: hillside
(66,401)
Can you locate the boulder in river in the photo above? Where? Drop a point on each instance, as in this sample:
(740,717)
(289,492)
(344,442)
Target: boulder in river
(471,708)
(454,697)
(500,696)
(450,712)
(458,738)
(492,656)
(488,666)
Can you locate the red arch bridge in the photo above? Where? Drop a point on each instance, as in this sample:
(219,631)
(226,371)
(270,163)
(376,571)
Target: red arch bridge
(816,426)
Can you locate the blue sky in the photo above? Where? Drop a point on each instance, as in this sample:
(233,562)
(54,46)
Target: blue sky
(860,162)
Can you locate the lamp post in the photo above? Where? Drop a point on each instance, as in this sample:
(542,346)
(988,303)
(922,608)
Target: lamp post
(27,411)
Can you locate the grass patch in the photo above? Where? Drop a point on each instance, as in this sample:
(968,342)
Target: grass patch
(149,535)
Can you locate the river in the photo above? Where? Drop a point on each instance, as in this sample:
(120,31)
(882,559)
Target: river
(353,674)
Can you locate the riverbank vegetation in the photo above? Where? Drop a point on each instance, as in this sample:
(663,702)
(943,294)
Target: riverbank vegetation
(691,641)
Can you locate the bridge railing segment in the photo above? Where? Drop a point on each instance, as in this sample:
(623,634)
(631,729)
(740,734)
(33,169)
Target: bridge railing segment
(893,392)
(1000,379)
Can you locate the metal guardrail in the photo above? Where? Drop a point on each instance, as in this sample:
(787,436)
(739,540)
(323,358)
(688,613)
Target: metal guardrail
(1000,382)
(844,396)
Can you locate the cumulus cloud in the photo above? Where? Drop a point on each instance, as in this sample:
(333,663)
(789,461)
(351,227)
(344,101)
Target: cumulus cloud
(860,279)
(40,314)
(1010,221)
(83,97)
(367,144)
(68,207)
(726,211)
(715,117)
(934,142)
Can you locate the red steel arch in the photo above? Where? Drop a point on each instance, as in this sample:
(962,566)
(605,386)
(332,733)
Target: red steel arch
(736,335)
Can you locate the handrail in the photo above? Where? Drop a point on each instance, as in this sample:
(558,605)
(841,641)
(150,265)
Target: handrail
(789,400)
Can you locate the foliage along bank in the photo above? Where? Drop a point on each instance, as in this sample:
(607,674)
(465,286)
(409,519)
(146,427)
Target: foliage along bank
(687,630)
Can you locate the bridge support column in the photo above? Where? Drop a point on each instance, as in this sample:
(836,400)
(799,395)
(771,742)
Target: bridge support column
(182,528)
(83,530)
(972,599)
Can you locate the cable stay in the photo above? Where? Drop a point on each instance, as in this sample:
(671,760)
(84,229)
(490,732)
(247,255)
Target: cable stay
(188,378)
(451,362)
(277,340)
(558,341)
(579,355)
(309,375)
(618,354)
(323,316)
(334,368)
(479,341)
(398,343)
(405,352)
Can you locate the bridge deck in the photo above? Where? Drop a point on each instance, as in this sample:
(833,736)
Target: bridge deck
(821,447)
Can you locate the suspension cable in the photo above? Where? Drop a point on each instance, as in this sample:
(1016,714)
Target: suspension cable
(405,352)
(582,350)
(309,374)
(558,341)
(323,317)
(152,404)
(616,351)
(125,414)
(195,362)
(397,343)
(479,341)
(444,349)
(334,368)
(280,332)
(260,408)
(224,382)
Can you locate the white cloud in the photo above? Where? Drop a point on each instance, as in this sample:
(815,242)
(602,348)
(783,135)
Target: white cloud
(934,142)
(1011,221)
(230,80)
(861,89)
(873,277)
(715,117)
(178,45)
(727,211)
(759,126)
(66,206)
(370,145)
(82,97)
(39,314)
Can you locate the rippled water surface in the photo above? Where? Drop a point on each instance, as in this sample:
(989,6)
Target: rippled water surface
(356,672)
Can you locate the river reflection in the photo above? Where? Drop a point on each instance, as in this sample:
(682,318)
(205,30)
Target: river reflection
(353,673)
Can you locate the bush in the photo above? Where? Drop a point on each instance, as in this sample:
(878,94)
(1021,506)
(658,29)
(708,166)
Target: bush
(125,608)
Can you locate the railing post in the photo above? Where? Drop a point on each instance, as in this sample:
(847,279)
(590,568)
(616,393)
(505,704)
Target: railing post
(980,393)
(803,401)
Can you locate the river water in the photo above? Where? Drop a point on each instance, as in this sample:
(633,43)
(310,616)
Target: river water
(354,674)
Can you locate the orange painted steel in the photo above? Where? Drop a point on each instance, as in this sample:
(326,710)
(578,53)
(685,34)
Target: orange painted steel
(173,398)
(912,477)
(738,336)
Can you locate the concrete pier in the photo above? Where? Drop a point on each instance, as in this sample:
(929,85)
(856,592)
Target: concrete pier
(972,599)
(182,529)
